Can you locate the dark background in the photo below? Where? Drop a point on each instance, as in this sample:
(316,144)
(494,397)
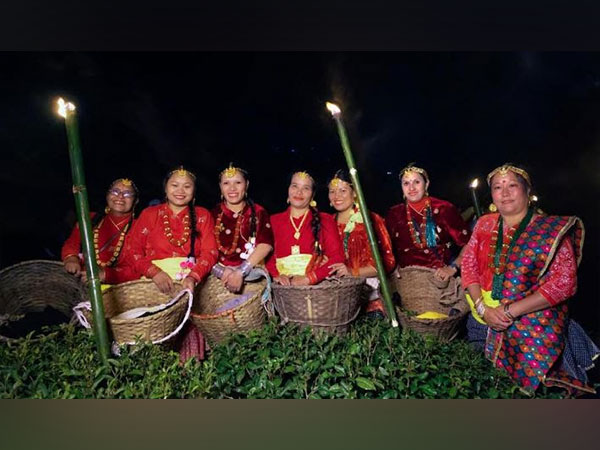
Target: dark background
(459,115)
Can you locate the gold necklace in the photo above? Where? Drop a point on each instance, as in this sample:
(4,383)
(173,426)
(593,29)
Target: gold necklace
(297,228)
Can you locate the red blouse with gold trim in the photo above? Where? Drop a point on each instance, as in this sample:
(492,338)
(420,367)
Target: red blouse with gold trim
(357,249)
(232,231)
(283,234)
(450,227)
(111,240)
(148,240)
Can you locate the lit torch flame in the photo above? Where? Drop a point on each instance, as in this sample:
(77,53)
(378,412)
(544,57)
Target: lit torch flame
(63,107)
(475,183)
(333,109)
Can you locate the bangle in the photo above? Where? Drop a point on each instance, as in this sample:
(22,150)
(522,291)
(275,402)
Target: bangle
(480,308)
(507,312)
(245,268)
(217,270)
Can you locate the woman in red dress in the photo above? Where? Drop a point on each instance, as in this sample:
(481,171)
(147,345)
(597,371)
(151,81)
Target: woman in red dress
(306,242)
(359,260)
(110,230)
(174,240)
(423,229)
(242,230)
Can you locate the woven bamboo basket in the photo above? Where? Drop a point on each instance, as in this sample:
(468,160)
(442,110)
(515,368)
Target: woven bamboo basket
(329,306)
(153,327)
(420,292)
(247,316)
(31,286)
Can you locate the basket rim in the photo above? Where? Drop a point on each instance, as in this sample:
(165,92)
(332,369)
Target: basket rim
(334,283)
(31,262)
(233,310)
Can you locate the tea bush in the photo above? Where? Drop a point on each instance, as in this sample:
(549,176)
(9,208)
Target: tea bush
(372,361)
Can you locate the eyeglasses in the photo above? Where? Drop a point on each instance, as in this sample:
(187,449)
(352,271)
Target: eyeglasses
(119,193)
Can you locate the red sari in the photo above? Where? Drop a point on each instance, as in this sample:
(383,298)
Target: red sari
(234,228)
(450,227)
(284,243)
(112,237)
(148,241)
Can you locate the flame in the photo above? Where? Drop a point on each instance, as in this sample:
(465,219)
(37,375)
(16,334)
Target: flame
(63,107)
(333,109)
(475,183)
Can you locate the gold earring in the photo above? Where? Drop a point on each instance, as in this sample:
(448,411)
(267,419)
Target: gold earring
(313,203)
(492,207)
(222,197)
(331,204)
(107,210)
(288,201)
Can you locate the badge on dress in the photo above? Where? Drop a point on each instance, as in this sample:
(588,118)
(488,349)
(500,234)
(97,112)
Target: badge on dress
(295,249)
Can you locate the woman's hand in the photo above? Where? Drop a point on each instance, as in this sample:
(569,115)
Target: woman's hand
(163,281)
(233,280)
(339,269)
(189,283)
(443,273)
(284,280)
(496,319)
(73,266)
(300,281)
(101,275)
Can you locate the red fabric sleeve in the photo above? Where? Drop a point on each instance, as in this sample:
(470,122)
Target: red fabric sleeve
(207,254)
(469,270)
(385,243)
(264,233)
(456,227)
(271,266)
(331,244)
(120,274)
(561,280)
(72,246)
(135,255)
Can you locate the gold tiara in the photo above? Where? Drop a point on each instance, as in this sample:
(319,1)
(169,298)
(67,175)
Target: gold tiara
(412,168)
(335,182)
(504,169)
(302,174)
(181,172)
(125,181)
(230,171)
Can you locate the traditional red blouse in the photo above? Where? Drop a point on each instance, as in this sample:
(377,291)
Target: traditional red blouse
(147,241)
(450,227)
(109,233)
(283,234)
(359,253)
(226,233)
(561,280)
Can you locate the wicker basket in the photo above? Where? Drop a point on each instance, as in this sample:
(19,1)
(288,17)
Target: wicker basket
(420,292)
(155,327)
(247,316)
(31,286)
(329,306)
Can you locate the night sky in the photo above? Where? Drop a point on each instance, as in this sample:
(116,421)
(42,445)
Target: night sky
(459,115)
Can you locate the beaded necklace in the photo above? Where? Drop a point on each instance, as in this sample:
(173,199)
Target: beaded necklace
(423,227)
(118,247)
(169,235)
(236,234)
(499,251)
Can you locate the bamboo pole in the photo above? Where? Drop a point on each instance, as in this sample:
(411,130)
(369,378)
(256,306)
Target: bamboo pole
(67,111)
(383,282)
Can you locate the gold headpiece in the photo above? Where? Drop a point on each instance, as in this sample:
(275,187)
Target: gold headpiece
(303,174)
(335,182)
(125,181)
(412,168)
(230,171)
(504,169)
(181,172)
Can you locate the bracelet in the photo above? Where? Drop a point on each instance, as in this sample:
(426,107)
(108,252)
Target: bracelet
(217,270)
(480,308)
(245,268)
(507,312)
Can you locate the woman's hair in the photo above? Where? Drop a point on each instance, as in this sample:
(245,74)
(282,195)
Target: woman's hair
(249,201)
(180,171)
(343,175)
(316,218)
